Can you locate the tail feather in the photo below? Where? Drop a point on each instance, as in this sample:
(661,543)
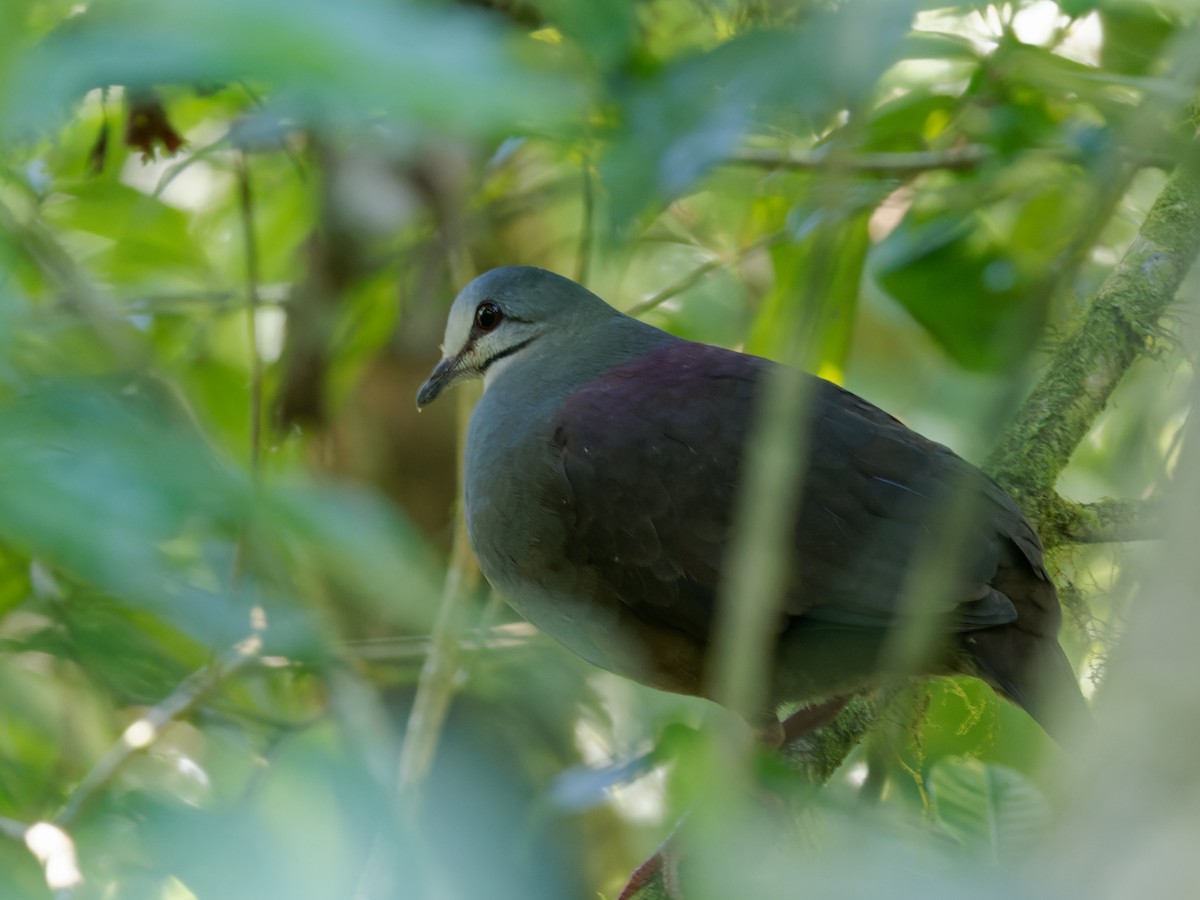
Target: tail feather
(1023,659)
(1033,672)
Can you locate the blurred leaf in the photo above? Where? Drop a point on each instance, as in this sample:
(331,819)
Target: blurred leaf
(958,284)
(444,67)
(970,277)
(909,122)
(606,31)
(991,809)
(939,45)
(14,579)
(689,117)
(96,487)
(144,239)
(130,653)
(357,540)
(1134,34)
(816,286)
(99,487)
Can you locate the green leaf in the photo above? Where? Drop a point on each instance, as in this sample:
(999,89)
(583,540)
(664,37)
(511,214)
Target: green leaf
(909,122)
(956,282)
(991,809)
(974,277)
(142,239)
(361,543)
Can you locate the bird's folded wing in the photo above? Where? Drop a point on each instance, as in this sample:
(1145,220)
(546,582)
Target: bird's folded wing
(647,462)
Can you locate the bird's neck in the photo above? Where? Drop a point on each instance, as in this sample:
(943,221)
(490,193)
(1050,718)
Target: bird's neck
(498,368)
(553,368)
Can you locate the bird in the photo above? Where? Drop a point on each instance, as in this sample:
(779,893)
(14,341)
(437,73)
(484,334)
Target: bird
(601,471)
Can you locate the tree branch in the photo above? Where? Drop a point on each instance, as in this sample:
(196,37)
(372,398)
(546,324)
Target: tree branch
(250,248)
(693,277)
(897,164)
(1120,325)
(142,733)
(820,753)
(906,164)
(1109,520)
(11,828)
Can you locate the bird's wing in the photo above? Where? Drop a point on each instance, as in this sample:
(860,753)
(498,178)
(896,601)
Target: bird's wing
(647,464)
(876,504)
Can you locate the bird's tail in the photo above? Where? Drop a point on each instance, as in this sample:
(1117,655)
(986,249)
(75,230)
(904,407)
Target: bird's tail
(1033,672)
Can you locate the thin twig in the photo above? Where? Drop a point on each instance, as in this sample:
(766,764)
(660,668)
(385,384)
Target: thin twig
(11,828)
(756,567)
(915,162)
(408,649)
(436,687)
(954,159)
(587,225)
(145,731)
(694,276)
(246,209)
(757,559)
(55,850)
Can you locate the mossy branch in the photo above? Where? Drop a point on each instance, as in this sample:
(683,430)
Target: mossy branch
(1106,521)
(1122,323)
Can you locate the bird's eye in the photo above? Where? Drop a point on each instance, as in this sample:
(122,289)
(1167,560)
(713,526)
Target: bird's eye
(488,316)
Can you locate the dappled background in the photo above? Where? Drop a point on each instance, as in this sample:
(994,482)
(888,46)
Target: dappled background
(244,652)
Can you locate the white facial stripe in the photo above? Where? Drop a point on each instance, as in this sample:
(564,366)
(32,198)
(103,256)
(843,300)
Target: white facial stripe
(458,329)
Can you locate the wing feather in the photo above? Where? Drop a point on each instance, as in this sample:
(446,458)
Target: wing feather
(648,460)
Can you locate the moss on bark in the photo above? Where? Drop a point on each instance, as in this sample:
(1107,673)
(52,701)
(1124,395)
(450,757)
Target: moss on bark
(1122,323)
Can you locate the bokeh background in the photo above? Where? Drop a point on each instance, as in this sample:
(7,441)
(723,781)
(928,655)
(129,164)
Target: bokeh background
(229,573)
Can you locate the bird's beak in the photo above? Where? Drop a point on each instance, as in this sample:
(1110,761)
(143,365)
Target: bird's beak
(443,375)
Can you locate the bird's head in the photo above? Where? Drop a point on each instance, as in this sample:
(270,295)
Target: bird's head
(503,315)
